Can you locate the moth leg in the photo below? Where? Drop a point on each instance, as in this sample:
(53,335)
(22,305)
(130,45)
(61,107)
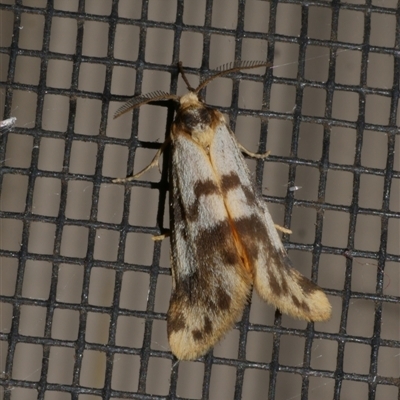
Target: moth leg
(154,162)
(251,154)
(283,229)
(162,236)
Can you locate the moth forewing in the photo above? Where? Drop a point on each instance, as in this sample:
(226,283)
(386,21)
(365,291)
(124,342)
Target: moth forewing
(223,239)
(274,278)
(211,286)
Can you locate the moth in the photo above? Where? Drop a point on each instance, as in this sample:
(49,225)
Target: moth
(223,239)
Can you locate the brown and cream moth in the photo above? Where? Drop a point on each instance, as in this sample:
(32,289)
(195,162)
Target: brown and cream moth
(223,240)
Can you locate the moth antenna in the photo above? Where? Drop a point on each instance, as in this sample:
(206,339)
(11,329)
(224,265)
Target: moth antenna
(185,79)
(138,101)
(232,67)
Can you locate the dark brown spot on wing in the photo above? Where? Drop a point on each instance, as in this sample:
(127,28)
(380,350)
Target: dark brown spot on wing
(205,188)
(197,334)
(207,330)
(217,240)
(176,322)
(277,274)
(253,235)
(223,299)
(249,194)
(229,256)
(284,283)
(207,325)
(250,226)
(204,286)
(305,307)
(274,284)
(307,286)
(295,300)
(230,181)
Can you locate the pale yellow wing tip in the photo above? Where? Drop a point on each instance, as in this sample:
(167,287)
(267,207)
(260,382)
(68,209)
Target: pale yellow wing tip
(320,308)
(314,308)
(185,351)
(323,309)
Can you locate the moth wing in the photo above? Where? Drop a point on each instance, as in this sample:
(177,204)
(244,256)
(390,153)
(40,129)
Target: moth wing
(210,285)
(276,281)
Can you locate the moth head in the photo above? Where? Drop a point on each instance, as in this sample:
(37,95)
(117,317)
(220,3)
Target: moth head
(188,100)
(195,117)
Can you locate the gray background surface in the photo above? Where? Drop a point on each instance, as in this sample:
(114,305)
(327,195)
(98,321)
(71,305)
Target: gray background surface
(139,250)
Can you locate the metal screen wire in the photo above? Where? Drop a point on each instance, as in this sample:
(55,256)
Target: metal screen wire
(85,290)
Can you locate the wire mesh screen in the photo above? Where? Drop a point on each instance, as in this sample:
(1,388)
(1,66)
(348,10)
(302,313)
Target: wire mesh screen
(84,289)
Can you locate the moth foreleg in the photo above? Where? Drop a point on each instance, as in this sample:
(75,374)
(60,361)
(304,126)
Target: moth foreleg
(251,154)
(163,236)
(283,229)
(154,162)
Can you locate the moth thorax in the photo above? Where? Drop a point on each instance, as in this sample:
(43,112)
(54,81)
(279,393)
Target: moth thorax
(194,118)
